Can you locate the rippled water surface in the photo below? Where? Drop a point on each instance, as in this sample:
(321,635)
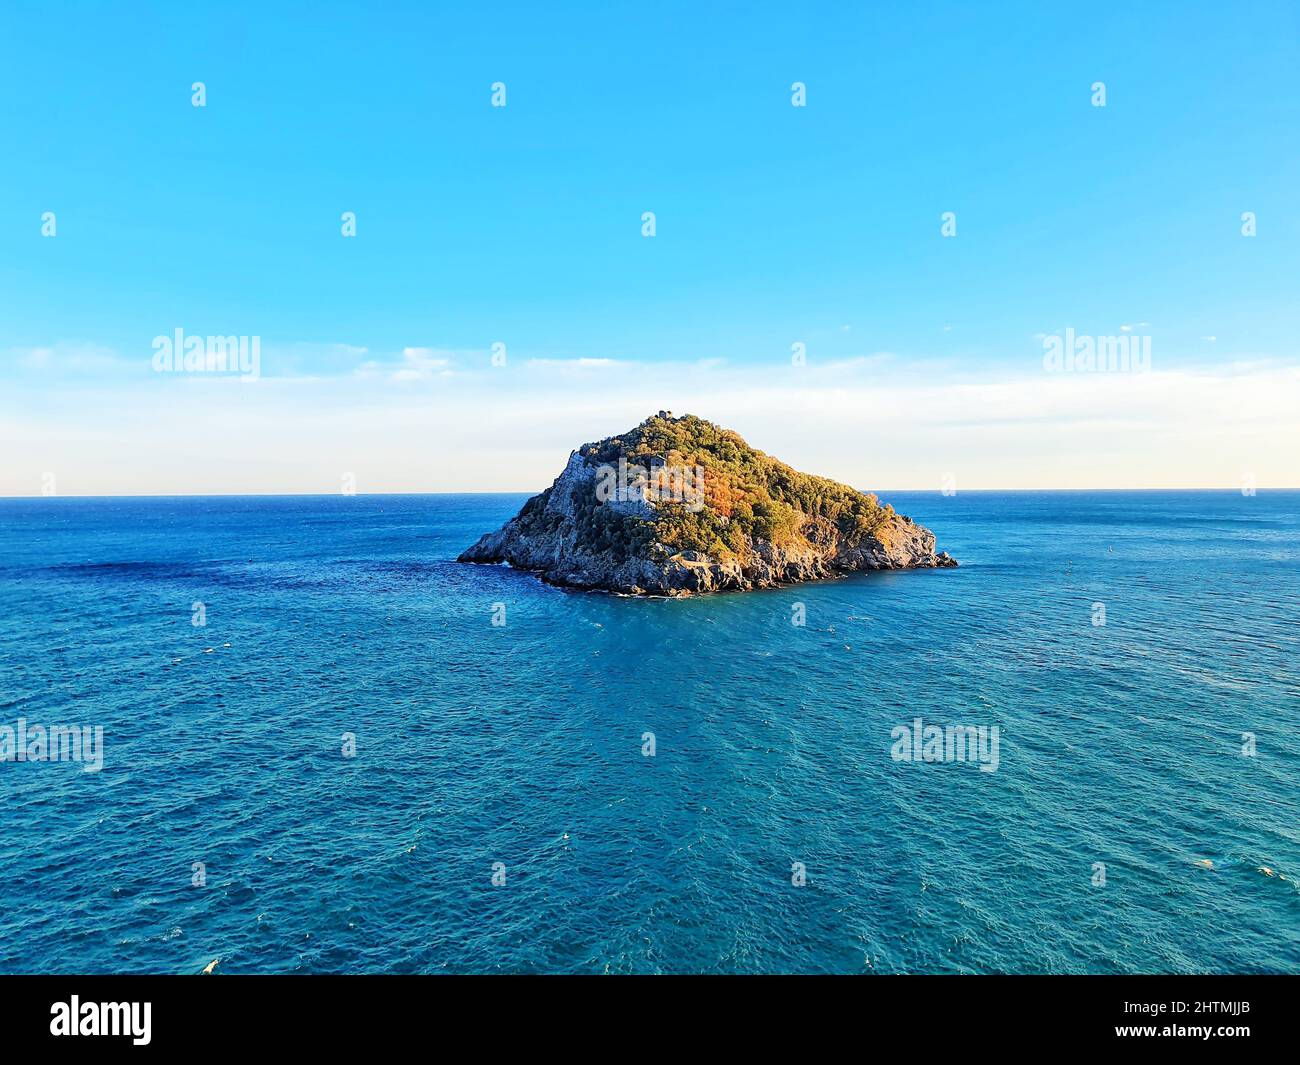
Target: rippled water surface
(522,744)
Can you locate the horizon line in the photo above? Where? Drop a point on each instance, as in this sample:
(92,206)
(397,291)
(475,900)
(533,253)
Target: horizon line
(518,492)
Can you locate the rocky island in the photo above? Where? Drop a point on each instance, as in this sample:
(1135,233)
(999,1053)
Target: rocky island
(680,506)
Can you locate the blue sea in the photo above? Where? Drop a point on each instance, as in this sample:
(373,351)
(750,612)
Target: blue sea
(1127,827)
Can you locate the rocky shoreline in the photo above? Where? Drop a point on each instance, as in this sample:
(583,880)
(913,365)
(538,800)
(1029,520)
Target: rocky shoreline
(564,537)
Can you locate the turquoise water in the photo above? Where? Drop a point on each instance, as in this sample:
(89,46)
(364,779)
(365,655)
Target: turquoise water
(522,744)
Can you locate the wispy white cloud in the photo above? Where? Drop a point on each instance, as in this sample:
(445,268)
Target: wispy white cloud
(572,364)
(876,421)
(64,359)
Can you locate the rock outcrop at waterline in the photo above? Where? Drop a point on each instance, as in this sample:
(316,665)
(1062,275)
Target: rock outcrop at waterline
(679,506)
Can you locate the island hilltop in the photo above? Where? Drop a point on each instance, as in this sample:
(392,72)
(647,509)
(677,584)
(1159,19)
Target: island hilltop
(679,506)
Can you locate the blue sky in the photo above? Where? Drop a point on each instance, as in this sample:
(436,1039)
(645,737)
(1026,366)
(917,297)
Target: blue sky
(522,225)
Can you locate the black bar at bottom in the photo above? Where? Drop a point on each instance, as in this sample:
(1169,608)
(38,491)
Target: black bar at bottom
(342,1014)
